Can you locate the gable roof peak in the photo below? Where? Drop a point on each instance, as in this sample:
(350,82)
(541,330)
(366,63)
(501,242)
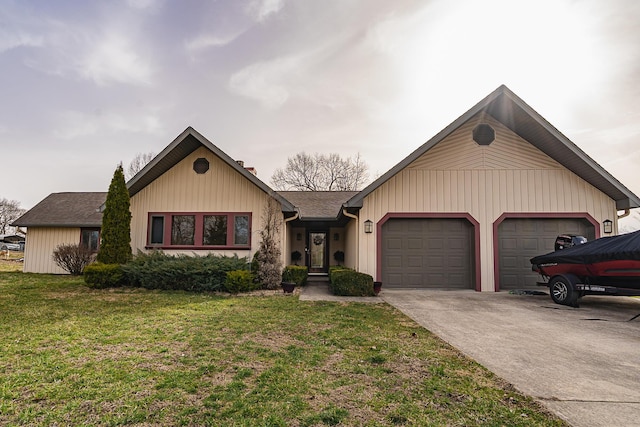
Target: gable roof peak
(509,109)
(184,144)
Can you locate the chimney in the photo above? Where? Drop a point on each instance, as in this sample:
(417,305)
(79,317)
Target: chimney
(248,168)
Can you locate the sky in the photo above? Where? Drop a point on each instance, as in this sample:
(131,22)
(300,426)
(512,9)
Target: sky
(85,86)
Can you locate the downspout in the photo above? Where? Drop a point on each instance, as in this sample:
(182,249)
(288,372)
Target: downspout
(626,213)
(347,214)
(287,220)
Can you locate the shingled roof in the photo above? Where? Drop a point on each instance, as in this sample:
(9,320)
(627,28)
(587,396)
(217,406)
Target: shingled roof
(65,210)
(318,205)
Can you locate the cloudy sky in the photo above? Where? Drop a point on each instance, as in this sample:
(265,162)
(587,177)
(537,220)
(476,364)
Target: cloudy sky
(87,85)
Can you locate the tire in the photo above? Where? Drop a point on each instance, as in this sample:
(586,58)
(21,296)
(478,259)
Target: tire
(4,248)
(562,290)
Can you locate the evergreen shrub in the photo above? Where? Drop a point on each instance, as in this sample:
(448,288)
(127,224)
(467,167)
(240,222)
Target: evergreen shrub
(295,274)
(157,270)
(334,268)
(351,283)
(240,281)
(100,276)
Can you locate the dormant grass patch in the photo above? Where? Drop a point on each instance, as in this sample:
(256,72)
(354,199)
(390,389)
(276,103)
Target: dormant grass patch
(71,355)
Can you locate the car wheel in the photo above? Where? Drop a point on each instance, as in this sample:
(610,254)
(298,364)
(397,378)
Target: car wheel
(562,290)
(4,248)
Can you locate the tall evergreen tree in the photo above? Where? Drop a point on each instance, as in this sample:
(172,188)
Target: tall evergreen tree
(115,247)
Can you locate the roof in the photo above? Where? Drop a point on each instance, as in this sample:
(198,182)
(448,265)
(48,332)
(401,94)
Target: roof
(65,210)
(186,143)
(318,205)
(506,107)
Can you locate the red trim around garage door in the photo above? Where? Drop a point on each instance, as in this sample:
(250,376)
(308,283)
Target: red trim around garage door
(534,215)
(463,215)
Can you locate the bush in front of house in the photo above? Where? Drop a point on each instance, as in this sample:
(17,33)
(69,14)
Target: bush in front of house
(100,276)
(157,270)
(240,281)
(295,274)
(334,268)
(72,258)
(351,283)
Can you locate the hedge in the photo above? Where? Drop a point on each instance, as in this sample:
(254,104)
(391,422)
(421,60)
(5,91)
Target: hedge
(297,274)
(240,281)
(100,276)
(182,272)
(345,282)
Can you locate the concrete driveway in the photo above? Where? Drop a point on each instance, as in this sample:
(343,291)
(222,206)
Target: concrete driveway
(583,364)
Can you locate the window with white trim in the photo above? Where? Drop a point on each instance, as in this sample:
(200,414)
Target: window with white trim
(199,230)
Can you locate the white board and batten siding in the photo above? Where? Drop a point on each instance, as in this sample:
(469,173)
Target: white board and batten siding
(459,176)
(40,244)
(221,189)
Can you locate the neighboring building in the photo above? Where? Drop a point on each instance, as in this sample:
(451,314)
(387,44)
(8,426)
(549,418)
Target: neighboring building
(465,210)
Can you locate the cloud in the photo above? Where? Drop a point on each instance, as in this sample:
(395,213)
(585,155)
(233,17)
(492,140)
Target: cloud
(266,81)
(261,10)
(114,60)
(143,4)
(75,124)
(10,41)
(207,40)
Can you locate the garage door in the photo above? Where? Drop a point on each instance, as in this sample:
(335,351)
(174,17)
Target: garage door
(520,239)
(427,253)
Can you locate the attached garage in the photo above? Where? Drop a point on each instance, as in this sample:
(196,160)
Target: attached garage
(428,253)
(520,239)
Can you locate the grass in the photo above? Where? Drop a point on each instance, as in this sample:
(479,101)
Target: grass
(70,355)
(12,262)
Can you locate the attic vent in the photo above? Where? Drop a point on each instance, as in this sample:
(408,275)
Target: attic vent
(484,134)
(201,165)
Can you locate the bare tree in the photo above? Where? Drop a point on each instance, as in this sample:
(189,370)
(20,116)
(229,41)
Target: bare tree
(319,172)
(10,210)
(138,163)
(268,255)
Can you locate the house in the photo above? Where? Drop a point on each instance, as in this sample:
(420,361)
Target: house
(467,209)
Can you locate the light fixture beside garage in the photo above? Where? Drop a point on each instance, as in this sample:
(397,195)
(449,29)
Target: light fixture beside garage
(368,226)
(607,226)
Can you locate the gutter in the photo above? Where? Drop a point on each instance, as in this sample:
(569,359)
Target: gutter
(626,213)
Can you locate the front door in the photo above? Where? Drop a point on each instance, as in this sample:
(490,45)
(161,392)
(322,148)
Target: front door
(318,262)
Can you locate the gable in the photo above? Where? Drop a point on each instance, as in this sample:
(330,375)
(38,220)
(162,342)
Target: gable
(185,145)
(459,151)
(181,189)
(507,108)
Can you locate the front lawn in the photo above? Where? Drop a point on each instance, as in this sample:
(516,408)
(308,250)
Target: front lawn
(70,355)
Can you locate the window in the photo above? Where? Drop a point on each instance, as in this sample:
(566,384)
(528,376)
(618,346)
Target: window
(157,230)
(183,229)
(215,230)
(199,230)
(241,230)
(90,239)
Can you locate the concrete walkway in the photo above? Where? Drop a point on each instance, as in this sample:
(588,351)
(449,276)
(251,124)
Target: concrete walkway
(582,364)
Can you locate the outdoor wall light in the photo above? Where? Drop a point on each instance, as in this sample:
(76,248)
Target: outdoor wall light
(607,226)
(368,226)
